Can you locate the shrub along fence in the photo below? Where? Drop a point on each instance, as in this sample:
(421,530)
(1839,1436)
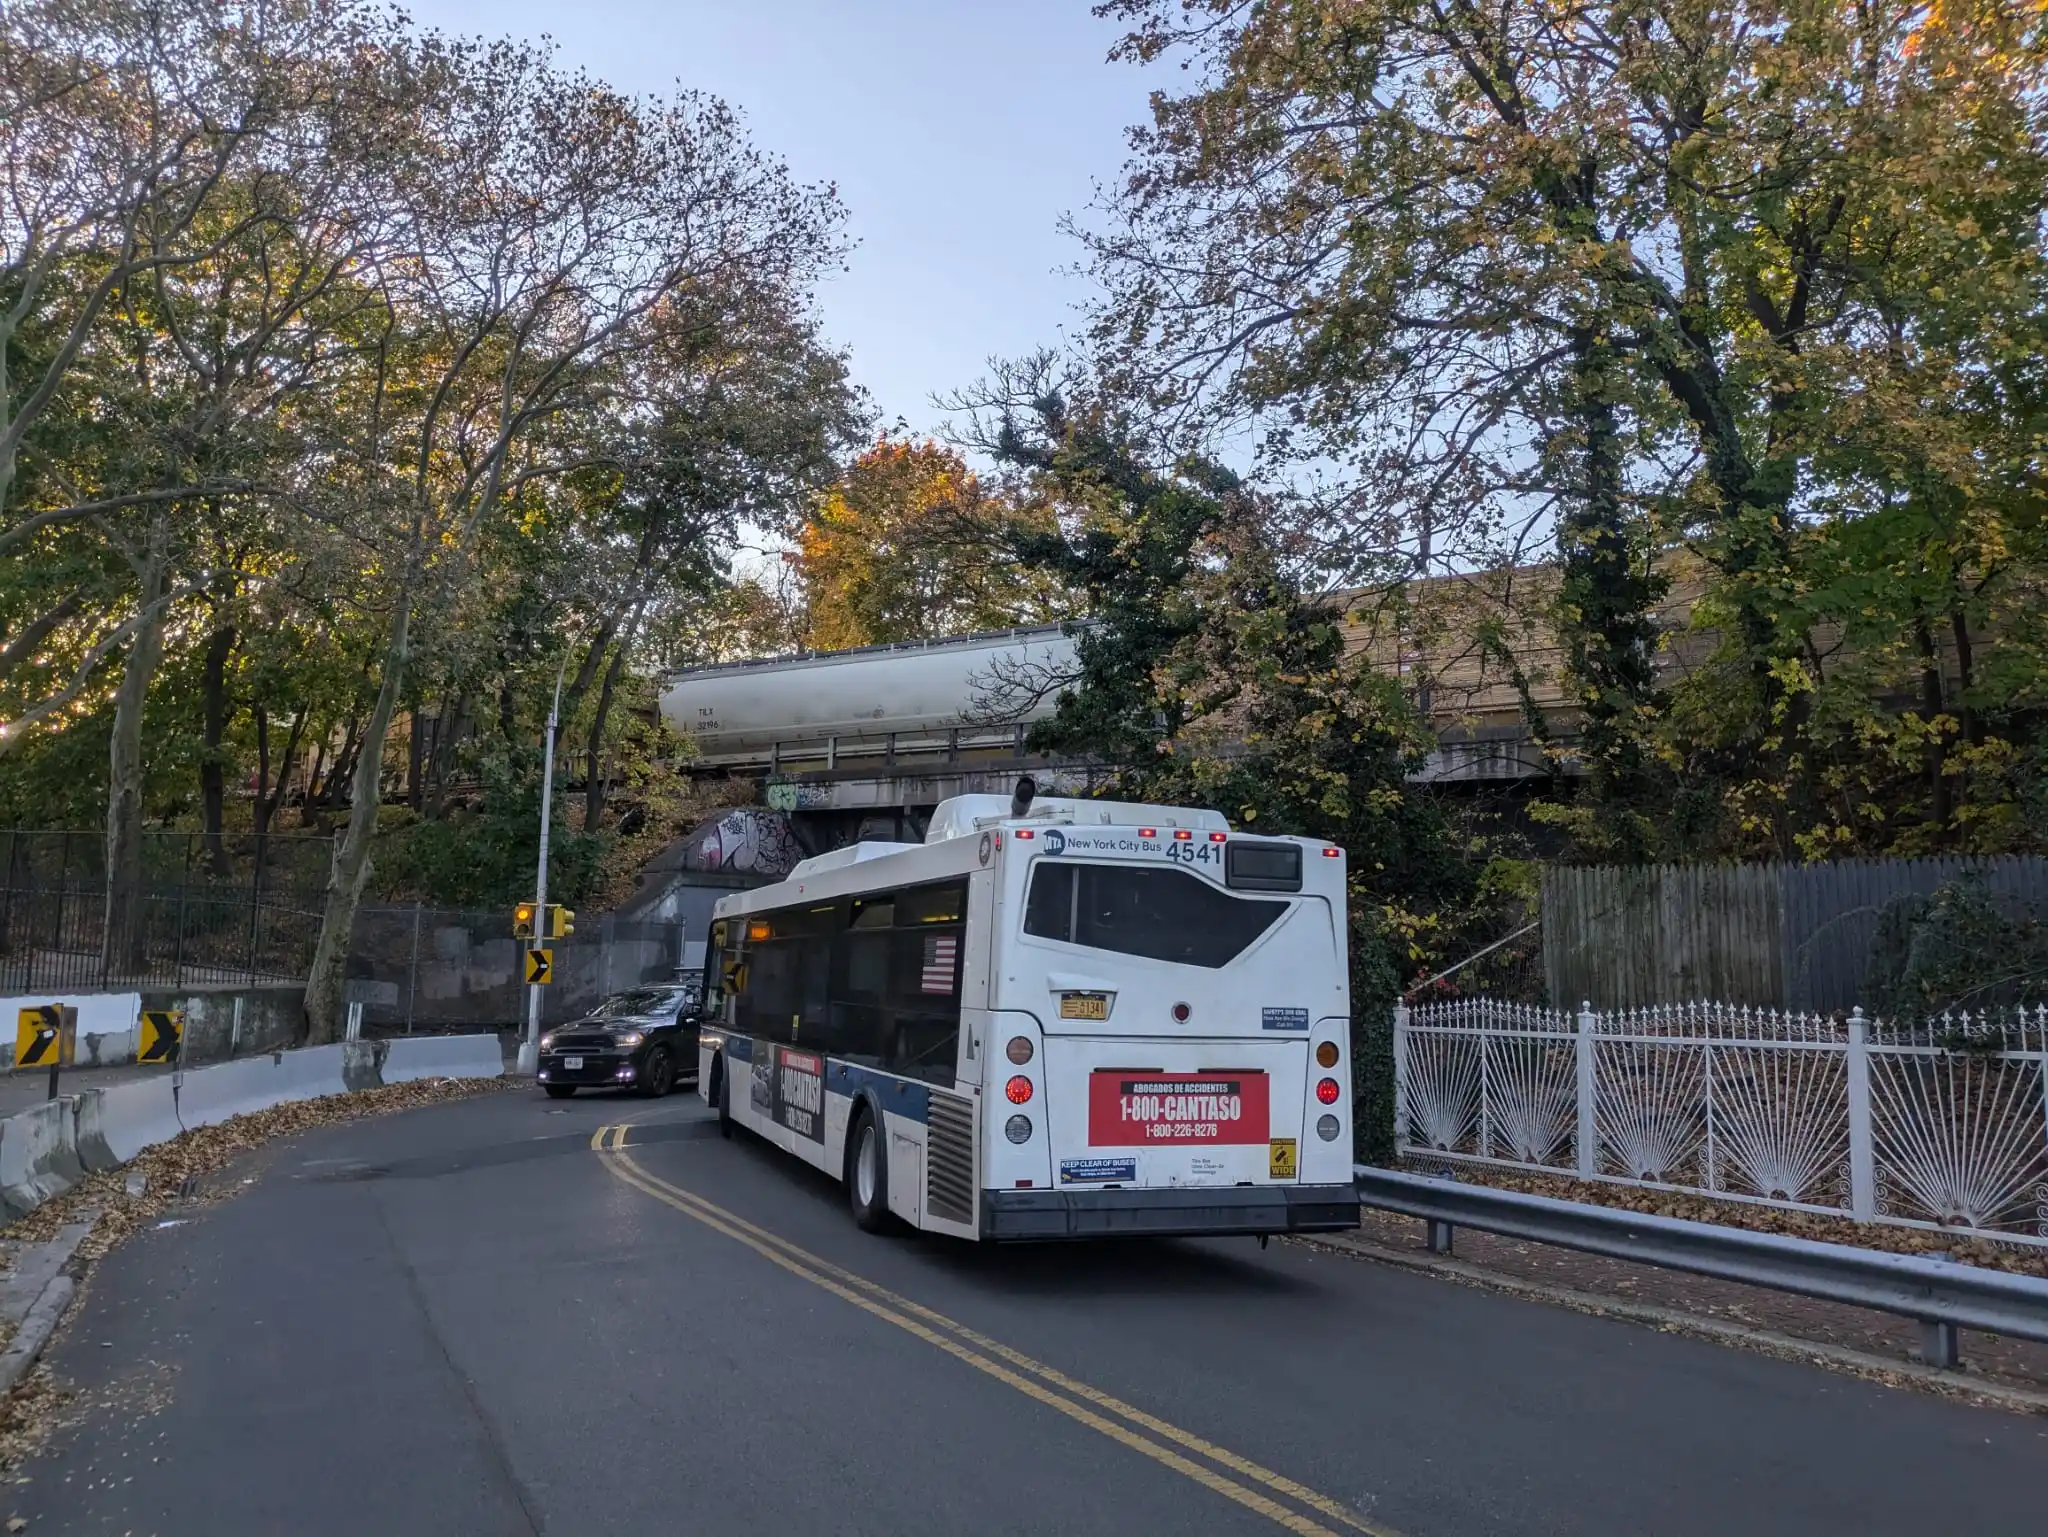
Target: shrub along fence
(1942,1124)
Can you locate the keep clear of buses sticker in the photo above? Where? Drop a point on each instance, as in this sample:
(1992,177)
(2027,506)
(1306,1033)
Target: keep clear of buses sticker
(1280,1158)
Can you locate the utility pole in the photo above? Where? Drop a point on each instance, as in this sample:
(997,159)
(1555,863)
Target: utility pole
(529,1048)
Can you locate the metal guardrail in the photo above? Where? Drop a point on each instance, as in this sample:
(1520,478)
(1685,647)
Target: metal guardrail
(1942,1295)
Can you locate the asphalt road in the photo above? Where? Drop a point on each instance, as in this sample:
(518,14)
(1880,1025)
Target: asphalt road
(471,1320)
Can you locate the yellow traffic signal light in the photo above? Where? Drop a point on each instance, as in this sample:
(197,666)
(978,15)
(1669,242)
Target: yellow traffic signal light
(522,921)
(561,921)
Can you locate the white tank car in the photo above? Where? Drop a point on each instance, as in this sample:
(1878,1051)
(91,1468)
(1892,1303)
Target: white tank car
(744,708)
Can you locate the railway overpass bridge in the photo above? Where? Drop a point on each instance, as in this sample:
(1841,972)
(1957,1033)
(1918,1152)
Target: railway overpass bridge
(864,743)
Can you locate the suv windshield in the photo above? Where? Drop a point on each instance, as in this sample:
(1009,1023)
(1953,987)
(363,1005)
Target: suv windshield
(641,1000)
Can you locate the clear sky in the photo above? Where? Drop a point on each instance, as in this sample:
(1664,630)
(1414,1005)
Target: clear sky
(957,131)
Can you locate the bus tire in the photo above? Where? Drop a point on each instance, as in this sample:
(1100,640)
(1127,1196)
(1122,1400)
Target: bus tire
(867,1173)
(721,1095)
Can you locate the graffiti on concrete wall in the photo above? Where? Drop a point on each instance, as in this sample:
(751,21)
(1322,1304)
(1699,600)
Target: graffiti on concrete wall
(746,841)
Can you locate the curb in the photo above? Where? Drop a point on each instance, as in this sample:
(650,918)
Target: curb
(40,1322)
(1888,1370)
(37,1326)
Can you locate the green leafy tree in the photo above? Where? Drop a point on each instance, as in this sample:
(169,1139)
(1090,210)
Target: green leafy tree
(1722,279)
(1212,675)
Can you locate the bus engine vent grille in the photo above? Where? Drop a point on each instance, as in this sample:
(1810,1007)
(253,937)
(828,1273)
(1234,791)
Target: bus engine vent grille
(949,1159)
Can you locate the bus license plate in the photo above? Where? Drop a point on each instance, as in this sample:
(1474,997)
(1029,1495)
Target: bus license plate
(1128,1108)
(1084,1005)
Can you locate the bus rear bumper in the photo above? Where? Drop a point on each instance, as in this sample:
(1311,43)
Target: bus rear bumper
(1038,1214)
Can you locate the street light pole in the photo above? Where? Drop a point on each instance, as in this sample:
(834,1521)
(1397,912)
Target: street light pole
(529,1047)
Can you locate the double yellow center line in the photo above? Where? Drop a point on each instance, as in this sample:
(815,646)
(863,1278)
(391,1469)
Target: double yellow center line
(1256,1488)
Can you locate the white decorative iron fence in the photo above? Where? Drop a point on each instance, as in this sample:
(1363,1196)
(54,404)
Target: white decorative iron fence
(1939,1125)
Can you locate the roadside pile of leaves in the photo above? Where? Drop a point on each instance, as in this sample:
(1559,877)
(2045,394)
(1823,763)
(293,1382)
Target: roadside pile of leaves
(175,1167)
(1968,1249)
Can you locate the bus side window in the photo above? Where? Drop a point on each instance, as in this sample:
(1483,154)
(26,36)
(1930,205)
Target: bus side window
(924,984)
(860,994)
(895,982)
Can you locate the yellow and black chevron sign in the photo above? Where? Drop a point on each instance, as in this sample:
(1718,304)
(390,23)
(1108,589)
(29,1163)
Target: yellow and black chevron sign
(162,1033)
(41,1036)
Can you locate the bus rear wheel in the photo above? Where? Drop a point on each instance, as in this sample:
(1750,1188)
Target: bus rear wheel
(867,1175)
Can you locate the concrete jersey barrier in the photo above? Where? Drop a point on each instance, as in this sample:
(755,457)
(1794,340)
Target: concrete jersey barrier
(38,1156)
(113,1125)
(443,1056)
(216,1094)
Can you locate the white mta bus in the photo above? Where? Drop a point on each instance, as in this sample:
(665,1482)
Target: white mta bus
(1057,1019)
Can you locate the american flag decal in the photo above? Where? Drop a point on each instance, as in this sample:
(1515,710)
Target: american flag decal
(941,952)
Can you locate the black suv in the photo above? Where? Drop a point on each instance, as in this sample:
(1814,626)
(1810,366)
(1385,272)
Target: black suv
(644,1039)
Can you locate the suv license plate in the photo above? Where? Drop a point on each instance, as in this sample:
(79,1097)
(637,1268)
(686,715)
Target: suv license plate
(573,1064)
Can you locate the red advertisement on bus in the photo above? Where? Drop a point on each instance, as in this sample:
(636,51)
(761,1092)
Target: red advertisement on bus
(1128,1108)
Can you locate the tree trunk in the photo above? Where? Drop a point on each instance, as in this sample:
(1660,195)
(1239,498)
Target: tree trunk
(447,729)
(1935,706)
(593,781)
(212,771)
(259,809)
(327,979)
(23,643)
(269,796)
(313,782)
(414,761)
(344,763)
(124,936)
(1966,676)
(1605,604)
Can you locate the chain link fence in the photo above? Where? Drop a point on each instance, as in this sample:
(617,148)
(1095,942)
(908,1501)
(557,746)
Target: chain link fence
(416,968)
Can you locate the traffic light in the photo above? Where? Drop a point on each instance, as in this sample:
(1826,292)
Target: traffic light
(561,921)
(522,921)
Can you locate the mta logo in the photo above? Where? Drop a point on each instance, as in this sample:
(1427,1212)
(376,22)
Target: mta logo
(1055,841)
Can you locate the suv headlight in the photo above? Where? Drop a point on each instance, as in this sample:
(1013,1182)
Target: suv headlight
(628,1038)
(547,1042)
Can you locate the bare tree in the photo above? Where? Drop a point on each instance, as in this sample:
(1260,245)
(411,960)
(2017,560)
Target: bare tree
(549,216)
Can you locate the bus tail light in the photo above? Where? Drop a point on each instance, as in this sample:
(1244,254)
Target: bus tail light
(1326,1091)
(1180,1013)
(1333,853)
(1148,832)
(1018,1128)
(1219,837)
(1018,1090)
(1182,835)
(1019,1050)
(1326,1054)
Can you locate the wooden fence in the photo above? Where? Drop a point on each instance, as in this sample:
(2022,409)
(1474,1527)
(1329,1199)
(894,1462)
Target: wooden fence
(1784,936)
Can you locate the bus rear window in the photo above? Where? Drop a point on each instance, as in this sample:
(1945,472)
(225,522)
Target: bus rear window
(1162,914)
